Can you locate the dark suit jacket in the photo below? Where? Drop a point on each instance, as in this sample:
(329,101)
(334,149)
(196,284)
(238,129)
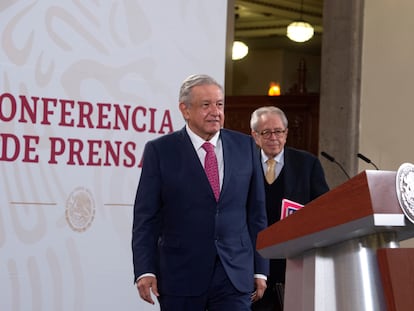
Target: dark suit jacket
(179,228)
(304,178)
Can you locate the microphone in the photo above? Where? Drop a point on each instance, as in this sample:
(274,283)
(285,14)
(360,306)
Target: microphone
(332,159)
(362,157)
(329,157)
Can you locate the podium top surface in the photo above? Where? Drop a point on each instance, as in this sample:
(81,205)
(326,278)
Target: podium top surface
(365,204)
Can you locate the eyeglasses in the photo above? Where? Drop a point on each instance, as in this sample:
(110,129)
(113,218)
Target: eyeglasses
(268,133)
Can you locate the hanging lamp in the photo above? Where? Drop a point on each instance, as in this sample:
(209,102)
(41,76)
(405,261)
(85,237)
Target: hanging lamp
(240,50)
(300,31)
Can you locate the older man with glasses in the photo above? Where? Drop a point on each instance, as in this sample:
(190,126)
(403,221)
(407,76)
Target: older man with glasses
(289,173)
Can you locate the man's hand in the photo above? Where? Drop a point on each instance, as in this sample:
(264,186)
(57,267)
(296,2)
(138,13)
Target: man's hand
(260,286)
(145,286)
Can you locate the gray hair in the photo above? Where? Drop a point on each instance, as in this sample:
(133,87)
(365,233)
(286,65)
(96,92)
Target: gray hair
(192,81)
(254,120)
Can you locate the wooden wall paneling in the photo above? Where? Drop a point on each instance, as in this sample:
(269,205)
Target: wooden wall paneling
(302,112)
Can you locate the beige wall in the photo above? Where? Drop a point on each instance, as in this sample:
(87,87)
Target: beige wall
(387,85)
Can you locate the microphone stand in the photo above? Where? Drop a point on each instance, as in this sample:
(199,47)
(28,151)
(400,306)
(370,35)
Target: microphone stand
(332,159)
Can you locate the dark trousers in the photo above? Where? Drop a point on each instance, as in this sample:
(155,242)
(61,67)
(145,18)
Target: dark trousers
(272,299)
(221,296)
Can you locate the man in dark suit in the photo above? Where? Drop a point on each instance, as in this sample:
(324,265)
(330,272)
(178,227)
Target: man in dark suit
(297,176)
(193,248)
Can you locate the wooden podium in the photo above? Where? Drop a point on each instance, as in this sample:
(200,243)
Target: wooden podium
(342,249)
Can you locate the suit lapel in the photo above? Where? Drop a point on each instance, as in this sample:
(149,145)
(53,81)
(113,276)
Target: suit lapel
(228,154)
(190,157)
(289,179)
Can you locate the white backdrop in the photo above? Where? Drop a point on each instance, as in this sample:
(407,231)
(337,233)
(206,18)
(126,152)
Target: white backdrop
(83,85)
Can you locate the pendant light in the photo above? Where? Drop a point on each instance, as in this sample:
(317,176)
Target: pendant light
(240,50)
(300,31)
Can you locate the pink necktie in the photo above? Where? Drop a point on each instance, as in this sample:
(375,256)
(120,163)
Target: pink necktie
(211,168)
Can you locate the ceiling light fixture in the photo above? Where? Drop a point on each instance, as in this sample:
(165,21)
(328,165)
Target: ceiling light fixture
(240,50)
(300,31)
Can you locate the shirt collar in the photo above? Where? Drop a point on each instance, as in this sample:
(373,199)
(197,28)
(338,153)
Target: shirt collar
(198,141)
(278,158)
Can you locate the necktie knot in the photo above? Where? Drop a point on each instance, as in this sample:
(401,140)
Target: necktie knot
(208,147)
(270,172)
(211,168)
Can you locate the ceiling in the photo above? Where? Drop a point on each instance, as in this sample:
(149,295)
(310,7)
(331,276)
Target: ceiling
(263,23)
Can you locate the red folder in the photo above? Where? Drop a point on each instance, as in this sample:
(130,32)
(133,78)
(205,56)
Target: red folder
(289,207)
